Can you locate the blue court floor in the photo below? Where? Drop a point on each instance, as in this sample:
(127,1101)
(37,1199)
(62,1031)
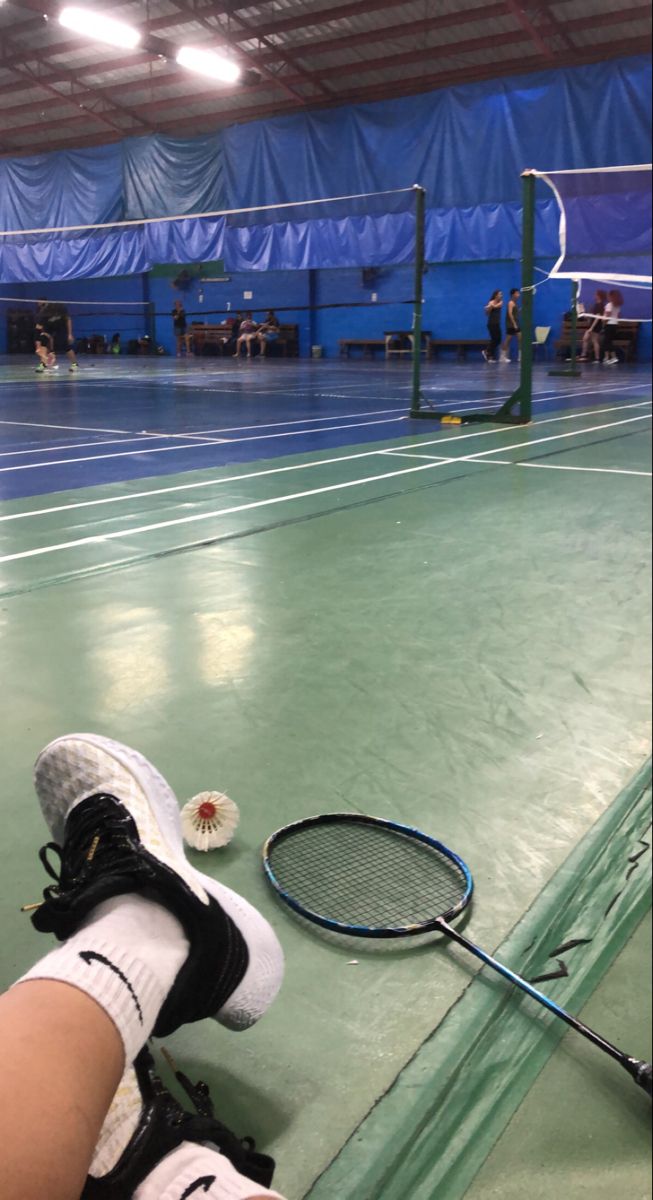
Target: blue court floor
(139,418)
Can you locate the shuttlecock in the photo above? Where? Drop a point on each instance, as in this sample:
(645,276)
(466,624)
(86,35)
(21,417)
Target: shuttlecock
(209,820)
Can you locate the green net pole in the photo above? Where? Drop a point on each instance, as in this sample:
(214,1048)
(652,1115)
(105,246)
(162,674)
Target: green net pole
(420,249)
(527,283)
(523,397)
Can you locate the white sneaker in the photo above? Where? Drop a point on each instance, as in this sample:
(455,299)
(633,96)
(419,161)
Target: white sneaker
(505,359)
(118,829)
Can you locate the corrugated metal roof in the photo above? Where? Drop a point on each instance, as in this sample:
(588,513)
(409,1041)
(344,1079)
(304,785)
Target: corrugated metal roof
(294,53)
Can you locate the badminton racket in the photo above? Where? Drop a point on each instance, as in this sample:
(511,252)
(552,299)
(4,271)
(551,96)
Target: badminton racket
(368,877)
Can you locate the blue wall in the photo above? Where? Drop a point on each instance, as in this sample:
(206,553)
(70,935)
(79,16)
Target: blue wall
(454,297)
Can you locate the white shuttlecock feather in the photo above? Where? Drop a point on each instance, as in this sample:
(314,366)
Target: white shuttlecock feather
(209,820)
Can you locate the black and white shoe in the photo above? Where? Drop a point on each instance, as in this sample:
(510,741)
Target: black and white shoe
(163,1126)
(117,831)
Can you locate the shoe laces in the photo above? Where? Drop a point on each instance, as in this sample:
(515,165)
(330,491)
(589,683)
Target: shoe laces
(204,1126)
(100,837)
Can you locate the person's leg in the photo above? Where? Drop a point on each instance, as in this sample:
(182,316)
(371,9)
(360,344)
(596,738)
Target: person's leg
(44,352)
(239,343)
(128,965)
(154,1147)
(608,345)
(62,1058)
(262,344)
(493,344)
(250,340)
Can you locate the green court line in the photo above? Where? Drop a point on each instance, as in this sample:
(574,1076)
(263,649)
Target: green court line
(431,1132)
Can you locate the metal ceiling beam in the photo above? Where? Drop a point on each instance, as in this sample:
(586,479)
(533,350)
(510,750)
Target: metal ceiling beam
(433,81)
(104,118)
(173,76)
(388,62)
(165,80)
(225,39)
(486,12)
(540,43)
(406,87)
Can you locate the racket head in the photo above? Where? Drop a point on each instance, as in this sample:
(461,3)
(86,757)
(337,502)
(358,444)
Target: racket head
(366,876)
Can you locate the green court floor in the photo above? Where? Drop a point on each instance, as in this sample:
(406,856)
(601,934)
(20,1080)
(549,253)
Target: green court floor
(461,645)
(581,1133)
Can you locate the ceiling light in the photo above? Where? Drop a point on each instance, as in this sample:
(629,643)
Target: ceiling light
(101,29)
(205,62)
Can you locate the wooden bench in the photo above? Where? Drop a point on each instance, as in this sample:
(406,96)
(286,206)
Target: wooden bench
(401,341)
(217,336)
(460,345)
(367,345)
(625,340)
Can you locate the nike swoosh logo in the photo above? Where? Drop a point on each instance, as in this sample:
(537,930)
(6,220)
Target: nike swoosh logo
(204,1184)
(90,956)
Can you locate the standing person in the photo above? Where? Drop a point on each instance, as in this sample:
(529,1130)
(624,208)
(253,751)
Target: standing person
(513,327)
(493,314)
(54,335)
(611,317)
(268,332)
(184,338)
(246,335)
(592,335)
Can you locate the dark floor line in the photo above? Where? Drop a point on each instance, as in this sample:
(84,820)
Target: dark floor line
(615,437)
(218,539)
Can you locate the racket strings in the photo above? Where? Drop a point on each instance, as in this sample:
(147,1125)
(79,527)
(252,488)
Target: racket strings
(366,875)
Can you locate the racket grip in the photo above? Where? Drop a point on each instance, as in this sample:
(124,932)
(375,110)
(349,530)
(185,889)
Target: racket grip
(642,1074)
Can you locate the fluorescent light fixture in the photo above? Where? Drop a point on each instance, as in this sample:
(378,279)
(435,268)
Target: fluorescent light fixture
(100,29)
(205,62)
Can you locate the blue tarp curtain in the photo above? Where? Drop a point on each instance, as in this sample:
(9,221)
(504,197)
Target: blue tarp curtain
(466,145)
(607,221)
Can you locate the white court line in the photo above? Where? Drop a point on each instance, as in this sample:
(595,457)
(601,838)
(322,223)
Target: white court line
(145,437)
(508,462)
(374,412)
(274,500)
(60,462)
(304,466)
(192,444)
(405,454)
(552,437)
(75,428)
(193,437)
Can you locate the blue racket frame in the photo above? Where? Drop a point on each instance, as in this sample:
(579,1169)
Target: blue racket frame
(365,931)
(638,1069)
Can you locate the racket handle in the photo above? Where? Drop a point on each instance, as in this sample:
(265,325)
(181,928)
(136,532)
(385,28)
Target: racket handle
(641,1073)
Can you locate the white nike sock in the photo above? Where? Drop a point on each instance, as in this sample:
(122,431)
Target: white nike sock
(190,1164)
(126,957)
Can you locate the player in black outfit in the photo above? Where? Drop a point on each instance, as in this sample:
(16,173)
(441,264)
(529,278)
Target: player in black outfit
(513,327)
(54,335)
(184,338)
(493,313)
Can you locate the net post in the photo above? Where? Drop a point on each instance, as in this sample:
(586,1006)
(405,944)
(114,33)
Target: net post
(572,372)
(418,303)
(523,396)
